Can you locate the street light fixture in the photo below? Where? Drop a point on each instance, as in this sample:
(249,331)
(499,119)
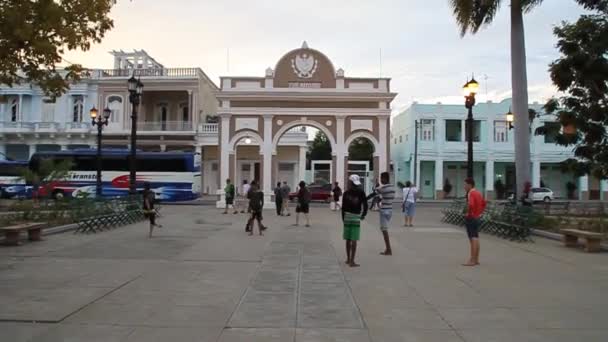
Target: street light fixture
(470,89)
(136,89)
(247,140)
(510,118)
(99,121)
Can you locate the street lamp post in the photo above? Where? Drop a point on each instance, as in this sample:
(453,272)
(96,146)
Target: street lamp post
(470,89)
(99,121)
(510,118)
(136,89)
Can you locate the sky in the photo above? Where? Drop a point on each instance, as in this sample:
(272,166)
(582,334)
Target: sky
(416,43)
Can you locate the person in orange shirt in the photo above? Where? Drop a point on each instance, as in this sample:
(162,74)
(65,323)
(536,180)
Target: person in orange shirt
(475,206)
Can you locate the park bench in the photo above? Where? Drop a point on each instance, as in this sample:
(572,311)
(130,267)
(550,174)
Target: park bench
(592,240)
(11,233)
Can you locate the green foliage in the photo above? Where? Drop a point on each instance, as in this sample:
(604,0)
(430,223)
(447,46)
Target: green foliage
(35,34)
(320,149)
(581,73)
(361,149)
(47,173)
(570,188)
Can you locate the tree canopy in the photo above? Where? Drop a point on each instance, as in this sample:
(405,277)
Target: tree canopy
(320,149)
(361,149)
(35,34)
(581,74)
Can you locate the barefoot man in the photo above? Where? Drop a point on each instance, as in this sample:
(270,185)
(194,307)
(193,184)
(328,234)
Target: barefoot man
(475,206)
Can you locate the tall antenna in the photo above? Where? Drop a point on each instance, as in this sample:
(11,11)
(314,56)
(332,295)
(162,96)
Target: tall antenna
(381,62)
(227,60)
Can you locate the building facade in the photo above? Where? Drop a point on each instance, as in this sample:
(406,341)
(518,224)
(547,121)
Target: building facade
(442,152)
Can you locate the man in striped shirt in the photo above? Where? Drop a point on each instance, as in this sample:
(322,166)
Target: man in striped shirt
(386,193)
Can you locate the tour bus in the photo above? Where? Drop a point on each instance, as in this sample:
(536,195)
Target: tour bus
(173,176)
(12,184)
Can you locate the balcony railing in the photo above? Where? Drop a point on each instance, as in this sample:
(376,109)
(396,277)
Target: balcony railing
(77,126)
(209,128)
(164,72)
(17,126)
(159,126)
(46,126)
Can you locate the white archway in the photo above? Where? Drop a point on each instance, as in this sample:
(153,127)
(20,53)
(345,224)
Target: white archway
(245,134)
(363,134)
(296,123)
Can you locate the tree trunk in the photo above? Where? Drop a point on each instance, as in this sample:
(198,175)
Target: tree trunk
(519,84)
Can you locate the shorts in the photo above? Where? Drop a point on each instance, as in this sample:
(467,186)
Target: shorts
(352,227)
(385,218)
(256,215)
(472,228)
(229,200)
(409,209)
(302,208)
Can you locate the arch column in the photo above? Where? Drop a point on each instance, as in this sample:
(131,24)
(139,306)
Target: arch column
(267,156)
(382,144)
(224,157)
(340,153)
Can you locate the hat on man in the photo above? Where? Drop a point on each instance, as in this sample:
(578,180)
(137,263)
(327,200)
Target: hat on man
(355,179)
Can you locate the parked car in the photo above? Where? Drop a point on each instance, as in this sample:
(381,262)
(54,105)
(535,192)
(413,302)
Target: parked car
(318,192)
(539,195)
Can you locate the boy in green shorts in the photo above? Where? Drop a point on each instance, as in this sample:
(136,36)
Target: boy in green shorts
(354,209)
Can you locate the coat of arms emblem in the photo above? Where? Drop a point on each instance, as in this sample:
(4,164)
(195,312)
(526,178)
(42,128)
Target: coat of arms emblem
(304,65)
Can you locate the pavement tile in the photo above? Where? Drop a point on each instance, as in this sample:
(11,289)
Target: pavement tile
(257,335)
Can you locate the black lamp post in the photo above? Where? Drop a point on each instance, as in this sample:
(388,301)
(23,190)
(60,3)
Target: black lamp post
(99,121)
(470,89)
(136,88)
(510,119)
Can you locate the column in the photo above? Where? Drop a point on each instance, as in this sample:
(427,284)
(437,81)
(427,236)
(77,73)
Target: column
(383,132)
(63,147)
(583,188)
(416,181)
(163,148)
(20,109)
(439,179)
(490,179)
(32,150)
(604,190)
(224,156)
(302,164)
(535,173)
(266,151)
(340,152)
(190,109)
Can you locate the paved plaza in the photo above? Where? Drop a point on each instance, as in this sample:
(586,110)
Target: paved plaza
(201,278)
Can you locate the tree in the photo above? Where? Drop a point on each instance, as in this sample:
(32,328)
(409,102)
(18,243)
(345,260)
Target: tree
(320,149)
(471,15)
(581,73)
(361,149)
(48,172)
(35,34)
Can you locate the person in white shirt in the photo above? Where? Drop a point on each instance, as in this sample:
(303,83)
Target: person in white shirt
(244,192)
(409,203)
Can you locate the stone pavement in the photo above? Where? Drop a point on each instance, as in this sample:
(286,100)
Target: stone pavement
(202,279)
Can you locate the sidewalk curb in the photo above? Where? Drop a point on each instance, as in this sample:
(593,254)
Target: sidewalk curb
(558,237)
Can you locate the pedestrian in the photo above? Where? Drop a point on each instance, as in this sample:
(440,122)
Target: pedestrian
(285,191)
(337,193)
(148,207)
(230,193)
(303,206)
(354,209)
(386,192)
(278,199)
(244,192)
(409,203)
(256,205)
(374,197)
(475,206)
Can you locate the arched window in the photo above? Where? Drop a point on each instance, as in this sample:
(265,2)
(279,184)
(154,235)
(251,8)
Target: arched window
(77,109)
(185,111)
(115,105)
(14,110)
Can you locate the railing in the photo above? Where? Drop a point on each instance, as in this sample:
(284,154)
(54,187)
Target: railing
(209,128)
(164,72)
(158,126)
(17,125)
(77,126)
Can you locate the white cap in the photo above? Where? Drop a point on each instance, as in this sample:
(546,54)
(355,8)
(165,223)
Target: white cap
(355,179)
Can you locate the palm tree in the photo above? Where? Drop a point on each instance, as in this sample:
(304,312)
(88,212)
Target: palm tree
(471,15)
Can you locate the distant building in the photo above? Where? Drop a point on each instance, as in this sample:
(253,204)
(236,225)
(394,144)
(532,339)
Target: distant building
(442,152)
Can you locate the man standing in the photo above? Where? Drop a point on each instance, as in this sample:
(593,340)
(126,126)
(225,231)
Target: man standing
(475,206)
(285,190)
(337,193)
(244,193)
(354,209)
(256,204)
(278,198)
(386,194)
(229,192)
